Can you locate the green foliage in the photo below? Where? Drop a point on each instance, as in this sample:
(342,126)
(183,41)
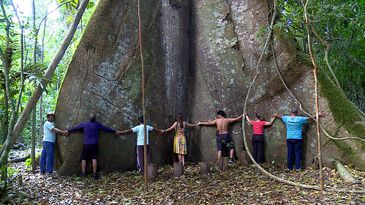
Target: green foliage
(341,24)
(55,30)
(11,172)
(6,174)
(28,162)
(73,5)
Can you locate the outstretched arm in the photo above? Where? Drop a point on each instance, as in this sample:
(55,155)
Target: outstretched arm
(276,115)
(312,118)
(106,129)
(159,130)
(191,125)
(235,119)
(76,128)
(122,132)
(271,121)
(59,131)
(213,122)
(173,126)
(248,120)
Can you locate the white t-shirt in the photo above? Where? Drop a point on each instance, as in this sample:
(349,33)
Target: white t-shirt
(48,134)
(140,133)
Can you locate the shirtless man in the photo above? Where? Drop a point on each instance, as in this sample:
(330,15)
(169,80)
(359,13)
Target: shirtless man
(224,140)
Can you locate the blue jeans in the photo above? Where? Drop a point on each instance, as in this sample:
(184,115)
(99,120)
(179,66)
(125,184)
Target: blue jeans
(294,152)
(46,162)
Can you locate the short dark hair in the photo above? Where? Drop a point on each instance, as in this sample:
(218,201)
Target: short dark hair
(258,116)
(92,117)
(294,110)
(50,114)
(221,113)
(140,119)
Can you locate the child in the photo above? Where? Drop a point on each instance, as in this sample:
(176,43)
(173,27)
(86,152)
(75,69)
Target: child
(139,129)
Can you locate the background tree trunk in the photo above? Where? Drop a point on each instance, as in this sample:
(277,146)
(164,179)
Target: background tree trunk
(178,169)
(34,123)
(223,164)
(34,117)
(204,168)
(345,174)
(20,123)
(40,132)
(6,116)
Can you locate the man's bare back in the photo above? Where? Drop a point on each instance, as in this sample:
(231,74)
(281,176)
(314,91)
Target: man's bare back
(222,125)
(224,140)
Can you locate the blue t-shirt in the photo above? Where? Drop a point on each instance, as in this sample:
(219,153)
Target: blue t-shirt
(140,133)
(294,126)
(48,134)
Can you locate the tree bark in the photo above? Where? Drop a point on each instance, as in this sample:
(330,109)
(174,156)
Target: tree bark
(21,66)
(178,169)
(20,159)
(49,72)
(34,121)
(151,170)
(6,57)
(6,116)
(315,70)
(143,94)
(40,133)
(35,33)
(34,117)
(204,168)
(41,97)
(223,164)
(345,174)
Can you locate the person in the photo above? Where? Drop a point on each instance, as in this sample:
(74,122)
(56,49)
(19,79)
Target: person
(179,146)
(223,138)
(258,125)
(294,125)
(49,138)
(139,129)
(91,130)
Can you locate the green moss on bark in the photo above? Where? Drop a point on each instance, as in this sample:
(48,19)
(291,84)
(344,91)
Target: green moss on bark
(344,114)
(343,110)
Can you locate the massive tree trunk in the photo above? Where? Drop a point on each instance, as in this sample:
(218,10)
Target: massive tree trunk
(200,57)
(104,78)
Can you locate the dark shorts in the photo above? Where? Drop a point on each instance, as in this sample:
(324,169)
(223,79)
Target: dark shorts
(224,142)
(89,151)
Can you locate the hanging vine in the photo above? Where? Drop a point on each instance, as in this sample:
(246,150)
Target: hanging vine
(269,36)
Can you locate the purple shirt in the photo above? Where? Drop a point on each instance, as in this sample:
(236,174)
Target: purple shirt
(91,131)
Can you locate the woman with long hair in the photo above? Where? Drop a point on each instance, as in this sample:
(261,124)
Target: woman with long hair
(179,146)
(258,125)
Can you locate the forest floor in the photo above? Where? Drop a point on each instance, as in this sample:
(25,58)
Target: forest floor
(241,184)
